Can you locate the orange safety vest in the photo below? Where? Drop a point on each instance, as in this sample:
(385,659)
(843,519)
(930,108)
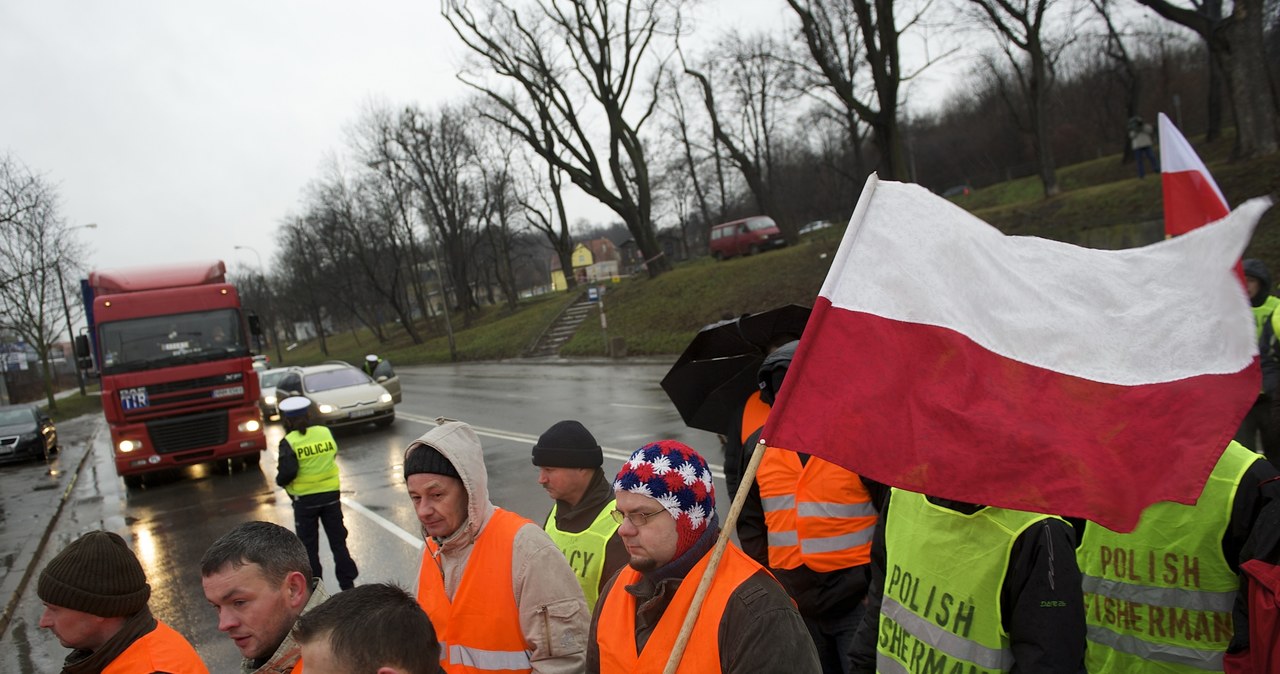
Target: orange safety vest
(616,627)
(754,413)
(817,513)
(160,650)
(479,630)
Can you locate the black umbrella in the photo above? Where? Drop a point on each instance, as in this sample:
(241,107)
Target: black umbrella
(717,371)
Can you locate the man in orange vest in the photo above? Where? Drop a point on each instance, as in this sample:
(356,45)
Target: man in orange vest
(258,579)
(667,511)
(373,629)
(500,594)
(95,602)
(811,523)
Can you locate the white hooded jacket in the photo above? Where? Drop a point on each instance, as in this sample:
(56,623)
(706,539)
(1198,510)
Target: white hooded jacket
(553,612)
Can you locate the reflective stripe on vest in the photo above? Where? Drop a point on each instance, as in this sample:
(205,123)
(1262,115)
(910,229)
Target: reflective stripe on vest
(1159,598)
(479,628)
(317,470)
(160,650)
(616,625)
(585,550)
(944,574)
(754,413)
(817,514)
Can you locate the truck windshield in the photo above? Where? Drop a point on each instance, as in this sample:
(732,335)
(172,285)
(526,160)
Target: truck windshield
(173,339)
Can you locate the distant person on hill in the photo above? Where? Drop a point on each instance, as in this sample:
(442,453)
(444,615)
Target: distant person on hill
(1141,140)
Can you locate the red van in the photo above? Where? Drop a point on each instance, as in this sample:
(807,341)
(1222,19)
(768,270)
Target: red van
(747,236)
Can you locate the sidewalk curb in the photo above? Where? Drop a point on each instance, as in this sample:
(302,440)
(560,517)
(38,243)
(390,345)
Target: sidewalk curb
(12,602)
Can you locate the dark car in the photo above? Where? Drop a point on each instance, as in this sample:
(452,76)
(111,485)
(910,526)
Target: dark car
(26,432)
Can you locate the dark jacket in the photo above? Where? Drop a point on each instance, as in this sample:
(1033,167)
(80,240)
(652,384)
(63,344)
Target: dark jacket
(1253,533)
(759,632)
(1042,573)
(576,519)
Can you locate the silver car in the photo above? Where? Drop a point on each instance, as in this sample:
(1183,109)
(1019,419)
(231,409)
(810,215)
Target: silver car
(340,395)
(267,398)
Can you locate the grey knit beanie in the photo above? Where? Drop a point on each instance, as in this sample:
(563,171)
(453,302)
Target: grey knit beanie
(97,574)
(568,444)
(422,458)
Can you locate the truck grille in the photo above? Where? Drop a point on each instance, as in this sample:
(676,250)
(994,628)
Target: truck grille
(191,431)
(204,382)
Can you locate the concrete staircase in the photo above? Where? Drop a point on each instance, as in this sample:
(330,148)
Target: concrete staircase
(562,328)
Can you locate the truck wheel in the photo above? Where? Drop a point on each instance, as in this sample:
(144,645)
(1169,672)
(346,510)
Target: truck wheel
(252,459)
(718,256)
(755,250)
(133,482)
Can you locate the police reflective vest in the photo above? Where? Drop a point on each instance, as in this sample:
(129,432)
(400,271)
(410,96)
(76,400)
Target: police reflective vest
(616,626)
(1263,313)
(585,550)
(754,413)
(1159,599)
(160,650)
(479,629)
(944,573)
(317,470)
(817,514)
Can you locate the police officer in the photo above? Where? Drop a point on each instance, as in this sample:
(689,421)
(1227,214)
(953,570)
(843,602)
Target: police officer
(309,473)
(371,363)
(569,460)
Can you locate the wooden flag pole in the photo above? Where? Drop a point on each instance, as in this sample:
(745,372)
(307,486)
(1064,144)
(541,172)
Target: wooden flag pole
(704,585)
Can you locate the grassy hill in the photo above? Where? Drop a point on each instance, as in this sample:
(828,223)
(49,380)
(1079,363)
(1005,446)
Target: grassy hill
(1103,204)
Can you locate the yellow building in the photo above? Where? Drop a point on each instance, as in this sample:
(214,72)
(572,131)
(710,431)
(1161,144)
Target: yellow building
(593,260)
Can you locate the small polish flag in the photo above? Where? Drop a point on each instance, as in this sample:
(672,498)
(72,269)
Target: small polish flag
(1191,197)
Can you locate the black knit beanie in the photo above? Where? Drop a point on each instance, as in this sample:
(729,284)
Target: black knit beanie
(97,574)
(427,459)
(568,444)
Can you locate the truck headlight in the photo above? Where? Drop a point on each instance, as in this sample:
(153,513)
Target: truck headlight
(250,426)
(127,446)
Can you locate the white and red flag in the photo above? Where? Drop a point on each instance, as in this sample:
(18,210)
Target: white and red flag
(1191,197)
(945,357)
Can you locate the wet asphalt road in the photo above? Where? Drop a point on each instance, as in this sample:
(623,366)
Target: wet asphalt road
(170,523)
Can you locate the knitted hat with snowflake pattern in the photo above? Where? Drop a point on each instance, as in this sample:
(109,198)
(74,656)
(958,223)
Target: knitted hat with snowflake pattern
(678,478)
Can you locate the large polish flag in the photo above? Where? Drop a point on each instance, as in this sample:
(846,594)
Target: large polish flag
(947,358)
(1191,197)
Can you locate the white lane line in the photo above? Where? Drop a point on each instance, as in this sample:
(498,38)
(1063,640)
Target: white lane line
(640,407)
(611,452)
(383,522)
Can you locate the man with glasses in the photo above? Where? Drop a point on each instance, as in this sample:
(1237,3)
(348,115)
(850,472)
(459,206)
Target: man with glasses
(666,510)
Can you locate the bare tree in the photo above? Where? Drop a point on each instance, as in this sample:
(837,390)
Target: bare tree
(35,246)
(852,41)
(1236,45)
(757,88)
(1032,54)
(577,65)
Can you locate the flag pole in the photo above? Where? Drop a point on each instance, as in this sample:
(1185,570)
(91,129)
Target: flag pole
(704,585)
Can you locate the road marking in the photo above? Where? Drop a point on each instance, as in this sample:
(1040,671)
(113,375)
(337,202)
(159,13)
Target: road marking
(384,523)
(640,407)
(611,452)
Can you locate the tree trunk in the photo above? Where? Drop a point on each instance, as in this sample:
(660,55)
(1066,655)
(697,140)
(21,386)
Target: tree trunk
(1244,66)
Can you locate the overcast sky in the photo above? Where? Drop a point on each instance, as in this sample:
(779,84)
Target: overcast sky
(184,129)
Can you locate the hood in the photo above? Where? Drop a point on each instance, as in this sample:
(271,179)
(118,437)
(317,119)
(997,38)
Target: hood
(1258,269)
(780,359)
(458,443)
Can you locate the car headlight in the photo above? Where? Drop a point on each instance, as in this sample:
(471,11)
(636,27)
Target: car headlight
(270,400)
(384,398)
(325,408)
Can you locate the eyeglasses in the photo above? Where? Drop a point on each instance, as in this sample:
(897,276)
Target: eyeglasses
(637,519)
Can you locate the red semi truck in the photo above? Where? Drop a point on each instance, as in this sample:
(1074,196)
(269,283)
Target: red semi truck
(178,385)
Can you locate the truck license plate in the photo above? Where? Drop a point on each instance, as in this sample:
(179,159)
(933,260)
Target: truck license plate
(133,398)
(228,391)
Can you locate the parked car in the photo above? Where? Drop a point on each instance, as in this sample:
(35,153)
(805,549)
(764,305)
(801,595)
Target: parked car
(957,191)
(341,395)
(267,398)
(745,237)
(810,227)
(26,432)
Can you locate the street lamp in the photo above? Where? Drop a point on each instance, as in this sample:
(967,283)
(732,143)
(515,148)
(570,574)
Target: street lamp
(66,309)
(255,252)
